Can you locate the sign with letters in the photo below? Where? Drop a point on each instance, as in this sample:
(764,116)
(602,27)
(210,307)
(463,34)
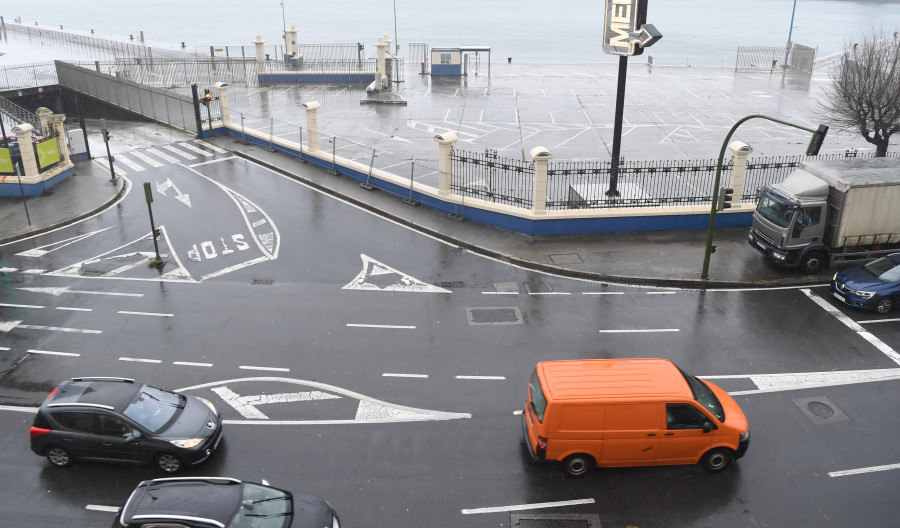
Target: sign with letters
(625,28)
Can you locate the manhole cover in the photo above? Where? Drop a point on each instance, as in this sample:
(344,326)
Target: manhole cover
(820,409)
(494,316)
(554,521)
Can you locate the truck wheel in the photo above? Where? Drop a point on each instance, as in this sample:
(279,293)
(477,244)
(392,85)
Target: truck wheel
(716,460)
(578,465)
(884,305)
(813,262)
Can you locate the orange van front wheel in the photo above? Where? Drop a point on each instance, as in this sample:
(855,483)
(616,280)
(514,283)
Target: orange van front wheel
(578,465)
(717,459)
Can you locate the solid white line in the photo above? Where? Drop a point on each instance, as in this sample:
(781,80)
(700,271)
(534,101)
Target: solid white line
(145,313)
(5,348)
(853,325)
(75,309)
(401,327)
(661,293)
(20,306)
(18,409)
(499,293)
(50,353)
(276,369)
(879,321)
(602,293)
(519,507)
(192,364)
(639,331)
(481,377)
(96,507)
(140,360)
(118,294)
(860,471)
(60,329)
(396,375)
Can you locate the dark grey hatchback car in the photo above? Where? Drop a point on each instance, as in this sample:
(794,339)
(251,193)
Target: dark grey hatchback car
(118,419)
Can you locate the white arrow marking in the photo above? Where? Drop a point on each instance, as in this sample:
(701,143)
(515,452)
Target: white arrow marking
(6,326)
(809,380)
(246,405)
(65,289)
(381,277)
(161,188)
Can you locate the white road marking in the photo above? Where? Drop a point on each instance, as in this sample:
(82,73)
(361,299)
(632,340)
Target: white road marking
(500,293)
(370,410)
(864,470)
(40,251)
(661,293)
(121,158)
(192,364)
(65,289)
(74,309)
(534,506)
(124,312)
(140,360)
(8,270)
(145,158)
(162,155)
(6,326)
(809,380)
(637,330)
(246,405)
(105,163)
(229,269)
(196,149)
(398,375)
(274,369)
(210,162)
(853,325)
(31,410)
(97,507)
(211,147)
(178,152)
(603,293)
(5,348)
(60,329)
(52,353)
(879,321)
(403,283)
(549,293)
(20,305)
(34,271)
(400,327)
(481,377)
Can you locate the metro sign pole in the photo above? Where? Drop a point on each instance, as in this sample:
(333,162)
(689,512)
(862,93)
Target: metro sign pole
(625,33)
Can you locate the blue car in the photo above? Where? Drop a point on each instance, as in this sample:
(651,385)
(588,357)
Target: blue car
(872,286)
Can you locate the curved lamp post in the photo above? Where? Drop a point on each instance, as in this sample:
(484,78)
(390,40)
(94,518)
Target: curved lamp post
(814,143)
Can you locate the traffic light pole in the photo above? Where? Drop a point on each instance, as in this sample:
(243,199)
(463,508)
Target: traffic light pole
(813,149)
(109,155)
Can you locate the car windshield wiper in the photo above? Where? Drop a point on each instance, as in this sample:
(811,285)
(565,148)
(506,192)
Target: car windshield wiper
(268,516)
(252,502)
(170,404)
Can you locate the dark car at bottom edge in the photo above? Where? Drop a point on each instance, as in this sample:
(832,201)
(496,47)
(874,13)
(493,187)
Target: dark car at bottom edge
(120,420)
(219,502)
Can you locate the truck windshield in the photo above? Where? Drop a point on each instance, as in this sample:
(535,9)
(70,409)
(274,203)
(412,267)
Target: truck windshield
(705,396)
(538,401)
(776,209)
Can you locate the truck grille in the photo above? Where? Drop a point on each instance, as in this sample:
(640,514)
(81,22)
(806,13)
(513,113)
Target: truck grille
(759,234)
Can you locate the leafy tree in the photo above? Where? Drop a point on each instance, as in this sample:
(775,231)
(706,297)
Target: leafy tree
(864,94)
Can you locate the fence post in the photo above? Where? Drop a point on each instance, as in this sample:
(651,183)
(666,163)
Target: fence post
(541,157)
(224,112)
(312,125)
(445,163)
(740,151)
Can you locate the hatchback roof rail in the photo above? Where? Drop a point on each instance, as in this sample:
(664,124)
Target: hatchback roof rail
(102,378)
(75,404)
(198,479)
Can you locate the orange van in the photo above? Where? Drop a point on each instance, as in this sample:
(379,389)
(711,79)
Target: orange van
(629,412)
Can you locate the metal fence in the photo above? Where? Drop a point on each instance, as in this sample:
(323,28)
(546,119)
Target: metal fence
(158,104)
(493,178)
(28,76)
(101,47)
(772,58)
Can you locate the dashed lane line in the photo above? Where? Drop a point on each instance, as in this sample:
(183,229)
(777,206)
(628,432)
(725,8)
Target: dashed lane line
(125,312)
(53,353)
(273,369)
(533,506)
(140,360)
(395,327)
(192,364)
(480,377)
(399,375)
(862,471)
(638,330)
(100,508)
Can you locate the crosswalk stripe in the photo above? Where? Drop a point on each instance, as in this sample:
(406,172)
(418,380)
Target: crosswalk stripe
(162,155)
(146,159)
(178,152)
(105,162)
(119,158)
(211,147)
(195,149)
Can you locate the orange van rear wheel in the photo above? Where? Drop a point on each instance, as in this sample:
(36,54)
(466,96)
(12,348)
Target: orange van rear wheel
(717,459)
(578,465)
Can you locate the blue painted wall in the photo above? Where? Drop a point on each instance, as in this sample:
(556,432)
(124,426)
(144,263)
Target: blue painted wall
(34,189)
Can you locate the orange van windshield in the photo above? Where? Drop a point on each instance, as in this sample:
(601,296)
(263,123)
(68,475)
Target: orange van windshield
(538,400)
(705,396)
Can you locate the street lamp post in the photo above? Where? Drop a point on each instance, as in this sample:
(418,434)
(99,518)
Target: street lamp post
(790,33)
(814,143)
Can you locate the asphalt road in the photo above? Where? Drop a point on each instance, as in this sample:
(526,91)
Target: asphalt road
(413,356)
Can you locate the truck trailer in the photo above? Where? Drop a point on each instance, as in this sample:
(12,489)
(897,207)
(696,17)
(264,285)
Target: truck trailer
(827,212)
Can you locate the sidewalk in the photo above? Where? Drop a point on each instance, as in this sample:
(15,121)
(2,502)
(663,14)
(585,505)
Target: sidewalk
(658,258)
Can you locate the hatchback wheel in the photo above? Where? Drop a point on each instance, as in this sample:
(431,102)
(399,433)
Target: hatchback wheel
(59,457)
(884,305)
(168,463)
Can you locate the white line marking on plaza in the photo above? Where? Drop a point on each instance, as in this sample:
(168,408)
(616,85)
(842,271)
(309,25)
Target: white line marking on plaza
(97,507)
(481,377)
(861,471)
(853,325)
(534,506)
(140,360)
(274,369)
(638,331)
(398,375)
(124,312)
(400,327)
(192,364)
(74,309)
(65,289)
(52,353)
(20,306)
(60,329)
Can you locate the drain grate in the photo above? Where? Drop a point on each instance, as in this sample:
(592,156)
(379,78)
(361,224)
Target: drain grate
(555,521)
(821,410)
(494,316)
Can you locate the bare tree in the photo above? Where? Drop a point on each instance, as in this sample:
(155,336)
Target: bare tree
(864,94)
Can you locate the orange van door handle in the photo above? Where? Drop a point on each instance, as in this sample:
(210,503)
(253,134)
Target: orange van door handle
(670,434)
(651,434)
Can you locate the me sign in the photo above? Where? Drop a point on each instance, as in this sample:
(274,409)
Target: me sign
(624,29)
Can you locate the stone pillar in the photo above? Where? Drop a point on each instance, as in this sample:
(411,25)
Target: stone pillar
(445,164)
(260,54)
(292,46)
(44,114)
(222,90)
(29,162)
(740,151)
(57,121)
(541,157)
(381,48)
(312,125)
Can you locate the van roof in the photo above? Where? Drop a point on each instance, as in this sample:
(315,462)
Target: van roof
(612,378)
